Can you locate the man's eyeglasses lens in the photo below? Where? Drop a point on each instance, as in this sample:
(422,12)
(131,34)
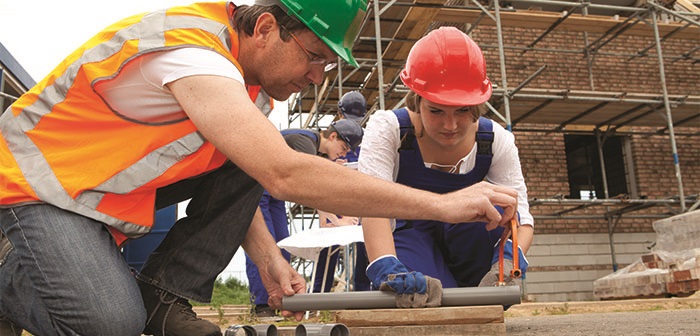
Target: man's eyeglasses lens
(314,59)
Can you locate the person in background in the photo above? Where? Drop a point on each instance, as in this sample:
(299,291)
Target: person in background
(440,142)
(167,106)
(352,105)
(340,138)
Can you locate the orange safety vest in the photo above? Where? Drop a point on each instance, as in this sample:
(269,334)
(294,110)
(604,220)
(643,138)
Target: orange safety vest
(62,145)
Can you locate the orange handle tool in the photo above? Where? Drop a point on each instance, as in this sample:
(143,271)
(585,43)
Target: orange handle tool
(512,229)
(515,272)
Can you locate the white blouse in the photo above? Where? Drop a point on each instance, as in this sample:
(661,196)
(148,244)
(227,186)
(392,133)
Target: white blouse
(379,157)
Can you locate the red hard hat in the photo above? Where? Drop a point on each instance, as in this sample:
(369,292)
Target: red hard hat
(448,68)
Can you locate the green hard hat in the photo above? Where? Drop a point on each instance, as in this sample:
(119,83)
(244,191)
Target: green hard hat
(335,22)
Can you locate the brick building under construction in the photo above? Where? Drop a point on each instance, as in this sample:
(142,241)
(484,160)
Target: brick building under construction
(603,98)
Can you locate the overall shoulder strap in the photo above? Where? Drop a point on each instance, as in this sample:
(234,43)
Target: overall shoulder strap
(484,137)
(406,133)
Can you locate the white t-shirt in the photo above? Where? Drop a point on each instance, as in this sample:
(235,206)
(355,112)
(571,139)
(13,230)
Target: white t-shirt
(379,157)
(139,93)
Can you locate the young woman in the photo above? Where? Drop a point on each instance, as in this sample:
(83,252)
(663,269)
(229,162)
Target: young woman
(440,142)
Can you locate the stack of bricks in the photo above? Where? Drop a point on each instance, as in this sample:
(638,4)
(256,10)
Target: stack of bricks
(685,281)
(672,269)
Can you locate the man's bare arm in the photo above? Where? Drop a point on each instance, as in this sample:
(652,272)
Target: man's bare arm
(278,277)
(223,113)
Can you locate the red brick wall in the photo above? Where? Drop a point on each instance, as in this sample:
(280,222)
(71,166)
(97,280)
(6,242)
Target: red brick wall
(655,169)
(570,70)
(543,161)
(542,154)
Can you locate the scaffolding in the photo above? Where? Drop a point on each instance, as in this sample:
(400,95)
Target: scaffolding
(381,58)
(392,27)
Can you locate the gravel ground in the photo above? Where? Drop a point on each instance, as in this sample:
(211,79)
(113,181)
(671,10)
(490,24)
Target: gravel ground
(668,316)
(652,323)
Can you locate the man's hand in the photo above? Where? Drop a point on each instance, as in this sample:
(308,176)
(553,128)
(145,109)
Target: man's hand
(347,221)
(280,279)
(327,219)
(413,289)
(476,204)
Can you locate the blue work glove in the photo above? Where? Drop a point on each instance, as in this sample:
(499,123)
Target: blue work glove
(413,289)
(491,278)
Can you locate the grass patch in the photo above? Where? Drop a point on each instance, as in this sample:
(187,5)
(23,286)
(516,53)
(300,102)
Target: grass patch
(229,292)
(564,310)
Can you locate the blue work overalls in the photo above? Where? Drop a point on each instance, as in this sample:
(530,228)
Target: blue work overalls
(457,254)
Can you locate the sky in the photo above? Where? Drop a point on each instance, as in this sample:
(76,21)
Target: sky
(39,34)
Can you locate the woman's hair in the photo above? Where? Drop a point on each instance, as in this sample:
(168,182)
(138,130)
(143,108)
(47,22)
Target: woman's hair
(413,102)
(245,17)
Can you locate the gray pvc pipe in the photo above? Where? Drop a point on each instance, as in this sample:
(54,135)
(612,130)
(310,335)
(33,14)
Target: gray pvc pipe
(265,329)
(465,296)
(332,329)
(240,330)
(255,330)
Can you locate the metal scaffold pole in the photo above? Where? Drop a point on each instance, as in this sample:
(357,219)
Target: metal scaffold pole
(502,59)
(380,69)
(667,105)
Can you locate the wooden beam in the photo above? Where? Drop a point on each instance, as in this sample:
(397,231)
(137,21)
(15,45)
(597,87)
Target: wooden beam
(491,329)
(421,316)
(687,4)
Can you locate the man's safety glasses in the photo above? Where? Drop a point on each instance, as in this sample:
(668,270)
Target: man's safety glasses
(314,59)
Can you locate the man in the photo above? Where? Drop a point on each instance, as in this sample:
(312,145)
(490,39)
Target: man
(159,108)
(340,138)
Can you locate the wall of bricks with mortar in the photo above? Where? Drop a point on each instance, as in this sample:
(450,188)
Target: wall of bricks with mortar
(543,161)
(543,155)
(569,254)
(569,70)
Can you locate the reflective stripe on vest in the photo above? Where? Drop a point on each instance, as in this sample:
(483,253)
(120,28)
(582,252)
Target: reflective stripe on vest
(123,161)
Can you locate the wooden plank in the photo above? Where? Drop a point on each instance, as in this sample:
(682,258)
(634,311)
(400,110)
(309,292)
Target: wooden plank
(687,4)
(433,330)
(421,316)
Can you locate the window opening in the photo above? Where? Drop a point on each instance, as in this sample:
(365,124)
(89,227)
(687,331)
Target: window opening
(584,169)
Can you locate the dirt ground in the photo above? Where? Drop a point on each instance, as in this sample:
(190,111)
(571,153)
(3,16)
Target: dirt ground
(640,317)
(652,323)
(666,316)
